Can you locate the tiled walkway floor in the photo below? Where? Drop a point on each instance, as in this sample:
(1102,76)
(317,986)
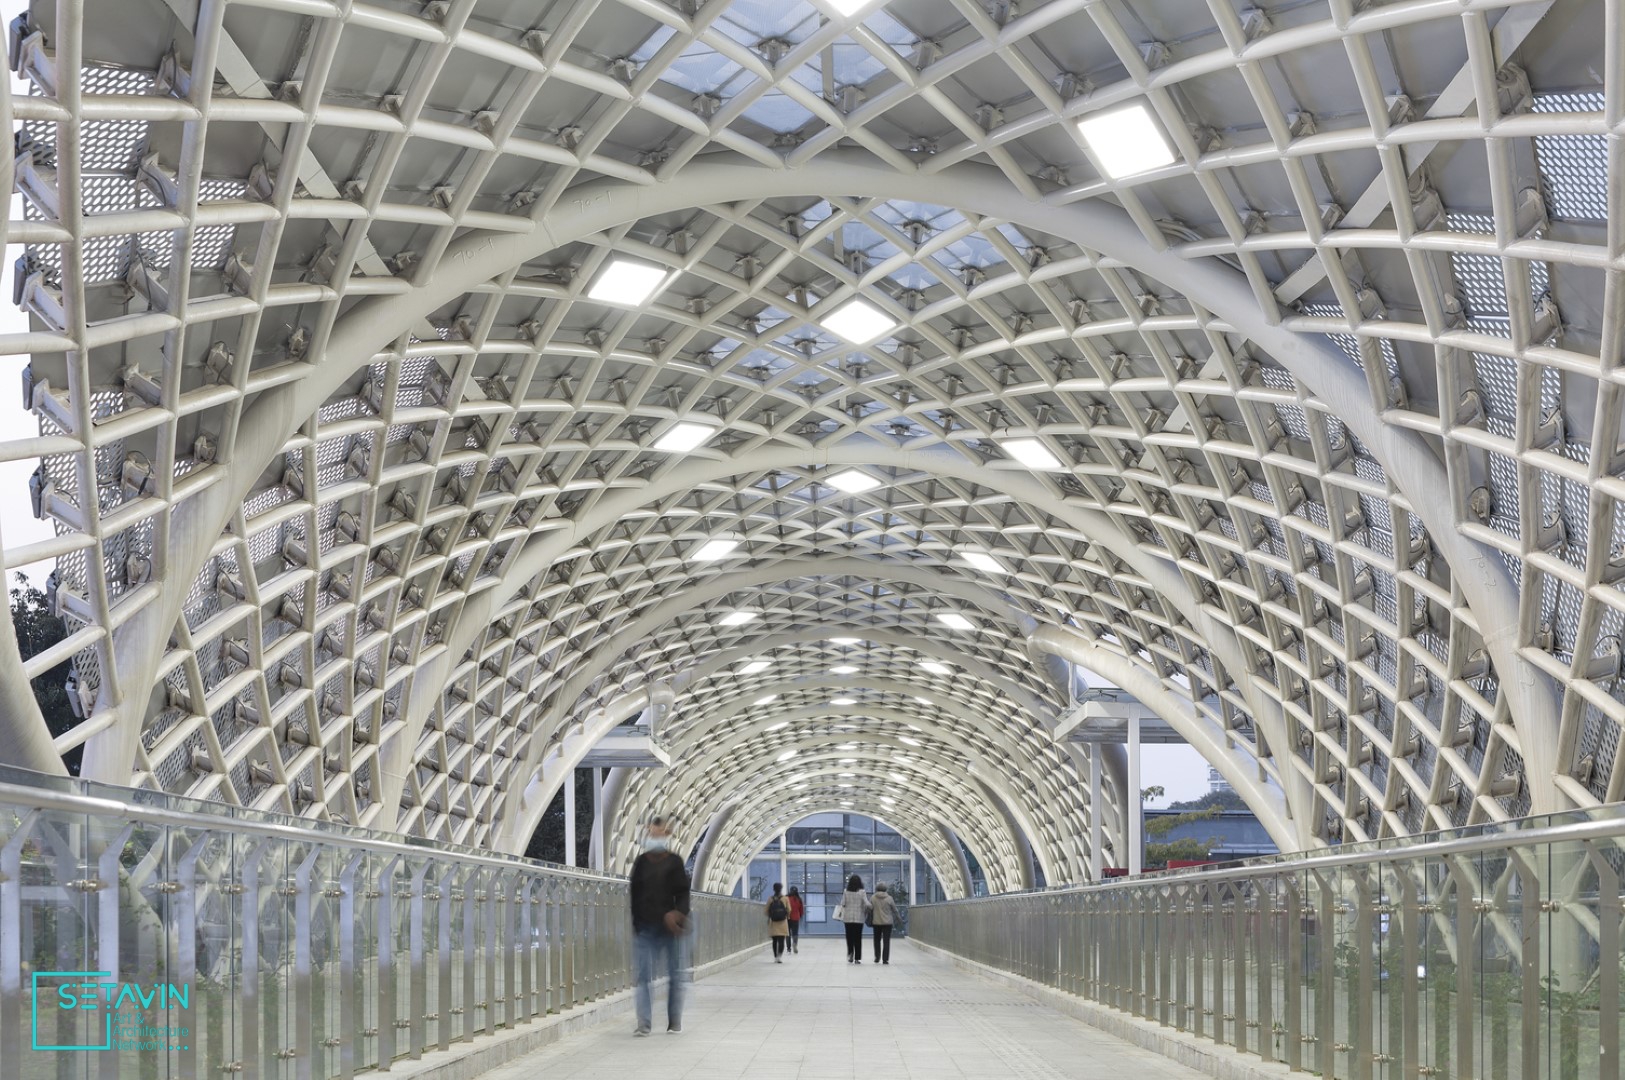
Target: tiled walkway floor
(815,1016)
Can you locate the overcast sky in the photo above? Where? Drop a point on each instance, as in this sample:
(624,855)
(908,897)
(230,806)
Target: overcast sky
(1179,769)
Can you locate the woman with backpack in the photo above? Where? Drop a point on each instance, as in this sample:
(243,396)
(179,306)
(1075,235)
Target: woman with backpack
(778,922)
(798,910)
(854,910)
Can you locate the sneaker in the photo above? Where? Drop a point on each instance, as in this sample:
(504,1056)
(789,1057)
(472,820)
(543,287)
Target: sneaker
(778,959)
(641,1033)
(674,1029)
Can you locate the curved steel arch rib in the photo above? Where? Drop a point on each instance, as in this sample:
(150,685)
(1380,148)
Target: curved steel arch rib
(704,748)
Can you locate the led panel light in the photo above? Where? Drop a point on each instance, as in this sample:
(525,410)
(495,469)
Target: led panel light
(1126,142)
(848,776)
(780,726)
(682,437)
(787,755)
(624,281)
(909,741)
(935,668)
(898,777)
(767,699)
(984,562)
(1033,454)
(924,701)
(954,620)
(843,701)
(858,321)
(712,550)
(738,618)
(853,482)
(843,669)
(845,640)
(847,746)
(755,666)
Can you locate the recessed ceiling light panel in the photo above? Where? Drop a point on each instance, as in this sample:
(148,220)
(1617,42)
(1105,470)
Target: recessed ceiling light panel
(857,321)
(844,640)
(1127,141)
(738,618)
(954,620)
(1033,454)
(625,281)
(982,561)
(712,550)
(853,482)
(935,668)
(843,669)
(683,436)
(755,666)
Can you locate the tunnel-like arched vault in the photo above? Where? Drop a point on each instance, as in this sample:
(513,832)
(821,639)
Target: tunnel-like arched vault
(356,500)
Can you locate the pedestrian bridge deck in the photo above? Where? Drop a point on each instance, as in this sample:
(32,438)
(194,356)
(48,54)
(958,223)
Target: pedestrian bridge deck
(816,1016)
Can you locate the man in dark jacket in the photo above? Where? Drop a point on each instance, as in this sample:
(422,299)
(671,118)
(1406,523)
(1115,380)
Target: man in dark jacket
(659,888)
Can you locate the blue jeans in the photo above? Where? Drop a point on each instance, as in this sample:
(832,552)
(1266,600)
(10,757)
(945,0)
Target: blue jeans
(647,945)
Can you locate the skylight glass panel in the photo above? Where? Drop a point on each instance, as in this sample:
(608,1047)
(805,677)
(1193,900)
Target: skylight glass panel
(1127,141)
(738,618)
(955,621)
(775,111)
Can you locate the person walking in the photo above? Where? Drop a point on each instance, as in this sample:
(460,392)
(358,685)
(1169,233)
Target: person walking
(778,921)
(853,912)
(659,890)
(797,911)
(883,915)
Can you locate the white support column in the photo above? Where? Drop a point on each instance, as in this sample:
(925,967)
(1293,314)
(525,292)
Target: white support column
(784,862)
(1097,814)
(913,876)
(1132,797)
(570,817)
(595,846)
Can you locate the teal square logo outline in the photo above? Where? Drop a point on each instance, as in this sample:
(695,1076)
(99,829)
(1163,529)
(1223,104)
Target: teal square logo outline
(33,1009)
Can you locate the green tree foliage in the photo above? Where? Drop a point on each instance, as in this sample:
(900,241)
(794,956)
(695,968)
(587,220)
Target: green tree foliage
(1158,852)
(1223,799)
(547,842)
(37,630)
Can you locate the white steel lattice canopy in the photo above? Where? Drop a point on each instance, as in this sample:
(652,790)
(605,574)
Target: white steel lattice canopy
(1300,419)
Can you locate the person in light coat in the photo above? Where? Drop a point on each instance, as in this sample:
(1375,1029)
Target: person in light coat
(883,914)
(853,912)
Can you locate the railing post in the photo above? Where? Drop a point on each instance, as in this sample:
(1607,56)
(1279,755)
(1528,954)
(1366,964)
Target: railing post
(383,888)
(418,914)
(1293,918)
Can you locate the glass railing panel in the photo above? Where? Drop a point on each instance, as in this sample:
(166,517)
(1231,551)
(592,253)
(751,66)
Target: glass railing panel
(1492,951)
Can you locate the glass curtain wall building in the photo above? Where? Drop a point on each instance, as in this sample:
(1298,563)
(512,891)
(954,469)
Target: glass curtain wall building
(823,850)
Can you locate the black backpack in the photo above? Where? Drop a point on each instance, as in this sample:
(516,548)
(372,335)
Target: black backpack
(777,911)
